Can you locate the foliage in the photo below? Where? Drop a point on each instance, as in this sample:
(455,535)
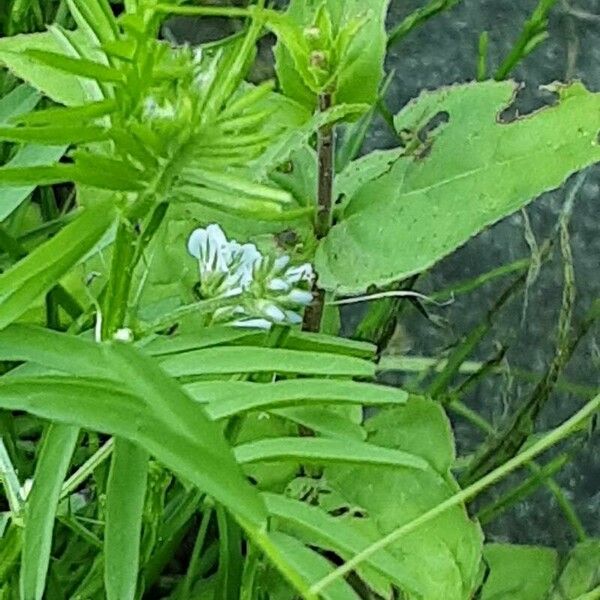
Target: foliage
(152,447)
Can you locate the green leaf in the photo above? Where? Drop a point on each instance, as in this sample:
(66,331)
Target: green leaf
(196,340)
(67,116)
(54,459)
(55,135)
(518,572)
(316,527)
(264,360)
(310,567)
(36,274)
(361,71)
(581,574)
(81,67)
(441,560)
(332,422)
(365,169)
(471,172)
(19,101)
(57,85)
(27,156)
(102,405)
(96,19)
(52,350)
(293,141)
(221,476)
(323,451)
(125,495)
(228,398)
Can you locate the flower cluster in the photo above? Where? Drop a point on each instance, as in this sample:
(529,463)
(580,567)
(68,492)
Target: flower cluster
(266,290)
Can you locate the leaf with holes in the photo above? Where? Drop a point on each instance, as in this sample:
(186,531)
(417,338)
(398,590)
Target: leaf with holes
(460,178)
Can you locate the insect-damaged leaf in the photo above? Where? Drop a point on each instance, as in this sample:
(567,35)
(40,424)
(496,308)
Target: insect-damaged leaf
(470,173)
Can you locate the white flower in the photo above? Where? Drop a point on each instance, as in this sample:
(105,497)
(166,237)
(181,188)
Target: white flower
(269,291)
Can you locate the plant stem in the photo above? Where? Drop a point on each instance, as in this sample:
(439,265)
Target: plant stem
(549,440)
(86,469)
(417,18)
(203,11)
(326,161)
(533,34)
(116,300)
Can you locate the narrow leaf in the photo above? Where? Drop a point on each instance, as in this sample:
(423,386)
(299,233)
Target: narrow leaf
(81,67)
(54,135)
(54,459)
(324,451)
(36,274)
(67,116)
(125,495)
(228,398)
(264,360)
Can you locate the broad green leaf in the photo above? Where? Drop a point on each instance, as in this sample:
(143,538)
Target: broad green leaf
(125,494)
(54,459)
(22,100)
(264,360)
(470,173)
(324,451)
(362,71)
(440,561)
(365,169)
(581,574)
(309,567)
(518,572)
(331,422)
(227,398)
(36,274)
(316,527)
(58,86)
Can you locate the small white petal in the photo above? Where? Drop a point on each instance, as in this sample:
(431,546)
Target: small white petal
(292,318)
(253,323)
(196,242)
(278,285)
(300,297)
(302,273)
(281,263)
(272,312)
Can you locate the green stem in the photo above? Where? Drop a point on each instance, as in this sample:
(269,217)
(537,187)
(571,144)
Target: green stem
(203,11)
(417,18)
(559,495)
(116,300)
(86,469)
(192,571)
(549,440)
(533,33)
